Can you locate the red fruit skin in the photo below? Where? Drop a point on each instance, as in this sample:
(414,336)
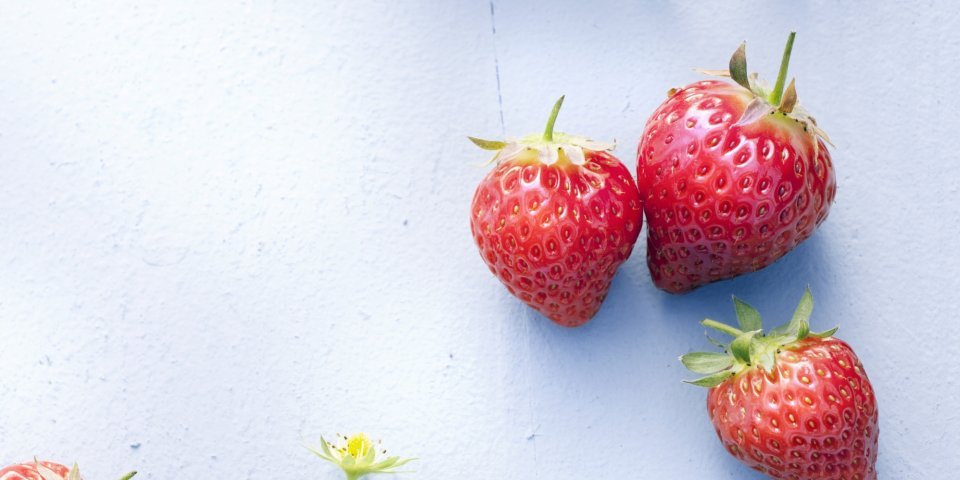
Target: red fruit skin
(28,471)
(814,417)
(555,234)
(722,200)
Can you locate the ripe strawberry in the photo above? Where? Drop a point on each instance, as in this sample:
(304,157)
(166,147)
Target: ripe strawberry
(792,404)
(38,470)
(555,219)
(733,176)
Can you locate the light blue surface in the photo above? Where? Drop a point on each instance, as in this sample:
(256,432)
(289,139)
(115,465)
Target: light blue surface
(225,227)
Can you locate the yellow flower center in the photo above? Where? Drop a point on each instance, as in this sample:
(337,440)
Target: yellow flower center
(358,445)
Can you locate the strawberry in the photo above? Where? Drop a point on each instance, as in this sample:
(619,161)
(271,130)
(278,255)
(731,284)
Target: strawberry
(733,176)
(555,219)
(792,404)
(38,470)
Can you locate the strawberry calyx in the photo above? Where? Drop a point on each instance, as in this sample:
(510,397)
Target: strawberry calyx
(548,148)
(357,456)
(74,473)
(750,347)
(765,101)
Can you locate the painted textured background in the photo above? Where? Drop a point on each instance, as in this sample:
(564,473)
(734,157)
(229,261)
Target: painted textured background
(228,227)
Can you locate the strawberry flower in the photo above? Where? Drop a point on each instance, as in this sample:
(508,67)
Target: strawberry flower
(357,456)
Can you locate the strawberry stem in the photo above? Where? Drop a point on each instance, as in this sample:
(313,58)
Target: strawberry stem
(548,132)
(777,93)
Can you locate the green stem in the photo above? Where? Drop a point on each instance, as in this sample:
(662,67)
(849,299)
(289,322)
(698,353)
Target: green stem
(128,476)
(548,132)
(723,327)
(777,93)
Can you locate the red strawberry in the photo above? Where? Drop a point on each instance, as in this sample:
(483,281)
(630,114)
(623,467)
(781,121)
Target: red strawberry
(31,471)
(37,470)
(792,404)
(555,219)
(733,176)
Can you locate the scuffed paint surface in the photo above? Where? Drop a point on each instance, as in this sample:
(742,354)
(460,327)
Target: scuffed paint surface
(226,228)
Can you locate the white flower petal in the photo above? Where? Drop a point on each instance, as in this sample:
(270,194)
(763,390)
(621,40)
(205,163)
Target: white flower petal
(598,146)
(46,473)
(509,151)
(574,153)
(549,154)
(823,135)
(712,73)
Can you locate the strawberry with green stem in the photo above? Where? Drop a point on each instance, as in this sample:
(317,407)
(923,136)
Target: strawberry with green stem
(357,456)
(555,219)
(43,470)
(791,403)
(732,175)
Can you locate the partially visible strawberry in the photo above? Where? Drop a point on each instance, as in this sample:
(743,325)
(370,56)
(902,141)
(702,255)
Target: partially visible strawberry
(792,404)
(555,219)
(38,470)
(32,471)
(733,176)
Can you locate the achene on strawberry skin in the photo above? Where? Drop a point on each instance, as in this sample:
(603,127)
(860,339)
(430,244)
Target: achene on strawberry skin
(793,404)
(733,176)
(555,219)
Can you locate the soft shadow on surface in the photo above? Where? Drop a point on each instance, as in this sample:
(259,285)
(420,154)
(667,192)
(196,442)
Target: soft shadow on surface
(636,312)
(774,290)
(623,319)
(618,375)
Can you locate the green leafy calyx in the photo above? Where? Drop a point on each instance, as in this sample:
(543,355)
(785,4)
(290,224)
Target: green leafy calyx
(781,99)
(750,347)
(738,66)
(770,99)
(549,147)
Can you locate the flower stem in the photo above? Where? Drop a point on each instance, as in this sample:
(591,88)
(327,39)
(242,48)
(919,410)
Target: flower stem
(548,132)
(777,93)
